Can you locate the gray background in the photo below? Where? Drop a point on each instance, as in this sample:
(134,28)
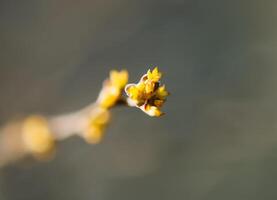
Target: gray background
(218,139)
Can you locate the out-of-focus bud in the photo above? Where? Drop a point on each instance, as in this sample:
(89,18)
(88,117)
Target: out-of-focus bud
(37,136)
(96,125)
(112,88)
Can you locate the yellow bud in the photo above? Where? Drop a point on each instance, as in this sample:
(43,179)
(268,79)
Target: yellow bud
(161,92)
(112,88)
(119,78)
(149,87)
(109,96)
(94,135)
(155,75)
(158,103)
(36,135)
(153,111)
(134,92)
(96,125)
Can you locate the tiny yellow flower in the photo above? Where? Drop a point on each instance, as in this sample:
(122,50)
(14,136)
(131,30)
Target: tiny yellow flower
(155,75)
(37,136)
(112,88)
(96,125)
(136,93)
(153,111)
(158,103)
(147,94)
(162,93)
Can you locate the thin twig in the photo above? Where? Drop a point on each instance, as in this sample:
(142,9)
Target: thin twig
(36,135)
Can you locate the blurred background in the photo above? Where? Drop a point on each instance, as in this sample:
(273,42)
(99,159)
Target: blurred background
(218,139)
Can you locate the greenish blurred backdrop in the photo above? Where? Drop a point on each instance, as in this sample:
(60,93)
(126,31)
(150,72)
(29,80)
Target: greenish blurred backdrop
(218,139)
